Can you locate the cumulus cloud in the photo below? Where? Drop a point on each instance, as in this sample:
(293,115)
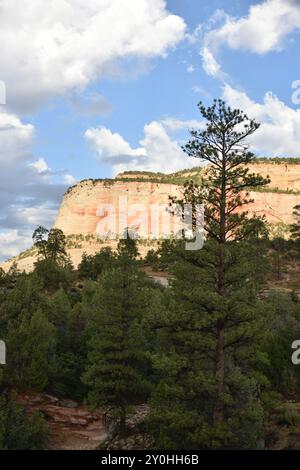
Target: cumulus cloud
(279,134)
(13,242)
(111,145)
(69,179)
(263,30)
(158,151)
(58,51)
(48,51)
(14,135)
(28,196)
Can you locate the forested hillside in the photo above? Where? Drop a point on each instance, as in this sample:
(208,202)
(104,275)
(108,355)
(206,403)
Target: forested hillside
(203,363)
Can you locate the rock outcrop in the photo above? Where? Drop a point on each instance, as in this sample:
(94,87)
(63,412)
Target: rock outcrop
(71,426)
(140,200)
(98,206)
(87,205)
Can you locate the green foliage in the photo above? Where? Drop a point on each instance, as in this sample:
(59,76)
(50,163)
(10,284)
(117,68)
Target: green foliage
(17,431)
(91,266)
(278,160)
(177,178)
(30,340)
(3,277)
(210,346)
(185,358)
(211,358)
(50,244)
(52,275)
(283,329)
(117,356)
(286,416)
(70,353)
(295,228)
(127,247)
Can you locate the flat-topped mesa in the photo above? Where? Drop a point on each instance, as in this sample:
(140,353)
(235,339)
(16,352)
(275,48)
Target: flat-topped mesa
(86,206)
(88,203)
(92,206)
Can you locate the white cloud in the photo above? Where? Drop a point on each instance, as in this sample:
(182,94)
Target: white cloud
(157,151)
(14,135)
(263,30)
(279,134)
(12,242)
(69,179)
(40,165)
(50,50)
(54,49)
(173,125)
(201,91)
(33,216)
(28,196)
(111,144)
(210,65)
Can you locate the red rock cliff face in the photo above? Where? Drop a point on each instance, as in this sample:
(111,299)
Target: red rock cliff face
(89,204)
(283,176)
(93,207)
(276,207)
(86,207)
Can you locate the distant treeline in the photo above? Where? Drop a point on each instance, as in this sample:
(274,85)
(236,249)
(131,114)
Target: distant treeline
(278,160)
(180,177)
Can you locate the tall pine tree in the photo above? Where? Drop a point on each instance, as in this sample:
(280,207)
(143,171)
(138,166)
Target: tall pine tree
(213,314)
(118,364)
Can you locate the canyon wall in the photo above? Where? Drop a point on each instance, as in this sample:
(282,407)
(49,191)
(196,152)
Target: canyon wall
(90,203)
(94,207)
(284,176)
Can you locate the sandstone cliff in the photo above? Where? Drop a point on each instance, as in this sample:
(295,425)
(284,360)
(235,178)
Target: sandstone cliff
(83,206)
(91,204)
(140,200)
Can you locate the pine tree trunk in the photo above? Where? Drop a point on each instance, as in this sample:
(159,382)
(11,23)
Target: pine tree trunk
(218,411)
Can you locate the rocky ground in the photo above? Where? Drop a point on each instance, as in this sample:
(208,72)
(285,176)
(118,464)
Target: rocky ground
(75,427)
(71,426)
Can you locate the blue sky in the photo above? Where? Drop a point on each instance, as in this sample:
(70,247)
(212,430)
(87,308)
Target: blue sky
(95,87)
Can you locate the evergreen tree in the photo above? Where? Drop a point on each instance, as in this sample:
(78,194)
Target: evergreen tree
(50,244)
(215,314)
(91,266)
(31,341)
(18,431)
(30,337)
(283,329)
(295,228)
(118,363)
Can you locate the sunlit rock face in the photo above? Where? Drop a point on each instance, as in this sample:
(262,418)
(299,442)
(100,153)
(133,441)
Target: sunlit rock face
(284,176)
(99,207)
(104,209)
(94,208)
(276,207)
